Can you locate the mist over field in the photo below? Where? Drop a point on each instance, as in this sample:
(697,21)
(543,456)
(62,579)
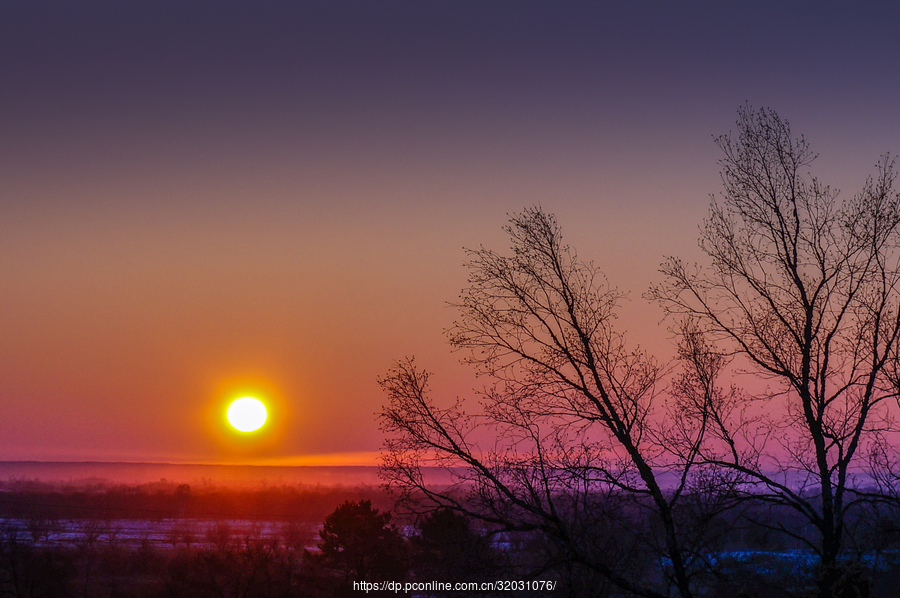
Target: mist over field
(209,474)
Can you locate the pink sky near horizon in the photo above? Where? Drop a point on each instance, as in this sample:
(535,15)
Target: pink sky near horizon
(200,201)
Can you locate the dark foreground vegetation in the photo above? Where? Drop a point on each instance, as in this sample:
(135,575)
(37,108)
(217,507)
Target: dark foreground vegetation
(167,540)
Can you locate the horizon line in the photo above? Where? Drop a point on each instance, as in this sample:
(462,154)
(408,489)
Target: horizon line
(355,459)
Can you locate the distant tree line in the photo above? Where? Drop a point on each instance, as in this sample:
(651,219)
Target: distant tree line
(21,499)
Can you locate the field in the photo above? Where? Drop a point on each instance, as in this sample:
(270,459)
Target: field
(119,535)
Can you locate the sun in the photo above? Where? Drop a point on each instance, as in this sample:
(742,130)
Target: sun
(247,414)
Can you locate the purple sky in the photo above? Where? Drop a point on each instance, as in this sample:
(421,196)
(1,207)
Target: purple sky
(207,198)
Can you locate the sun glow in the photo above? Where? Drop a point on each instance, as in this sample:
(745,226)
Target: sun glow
(247,414)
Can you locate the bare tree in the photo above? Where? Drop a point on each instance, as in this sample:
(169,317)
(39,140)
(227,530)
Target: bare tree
(803,290)
(574,443)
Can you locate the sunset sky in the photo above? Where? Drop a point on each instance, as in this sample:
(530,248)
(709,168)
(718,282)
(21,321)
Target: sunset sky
(200,200)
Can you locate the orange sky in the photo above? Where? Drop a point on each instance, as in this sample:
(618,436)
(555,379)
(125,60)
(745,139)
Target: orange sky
(198,202)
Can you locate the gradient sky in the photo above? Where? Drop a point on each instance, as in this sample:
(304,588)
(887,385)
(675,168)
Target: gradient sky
(199,199)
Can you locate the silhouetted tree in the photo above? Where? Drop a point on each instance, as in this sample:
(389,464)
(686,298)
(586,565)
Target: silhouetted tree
(579,452)
(803,290)
(359,544)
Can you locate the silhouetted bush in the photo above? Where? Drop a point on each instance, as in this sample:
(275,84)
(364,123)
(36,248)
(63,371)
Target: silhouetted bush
(260,570)
(28,570)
